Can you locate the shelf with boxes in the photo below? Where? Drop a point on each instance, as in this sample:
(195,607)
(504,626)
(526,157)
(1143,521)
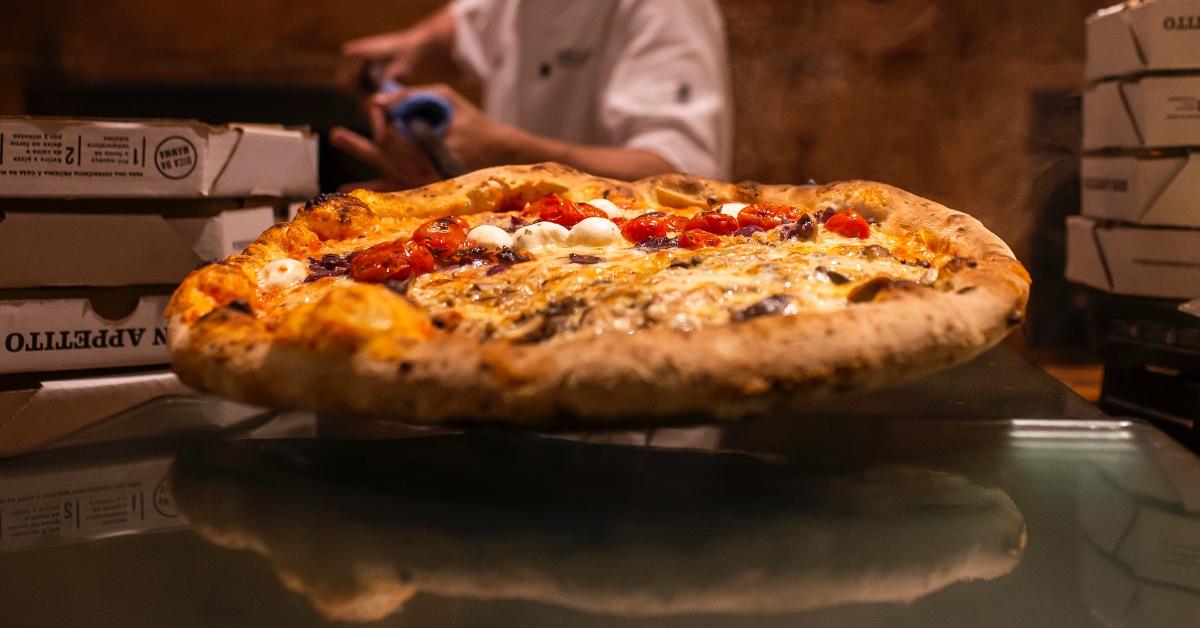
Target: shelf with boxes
(99,220)
(1139,228)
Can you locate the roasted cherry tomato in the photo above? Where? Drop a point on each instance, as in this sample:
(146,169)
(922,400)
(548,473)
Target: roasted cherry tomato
(420,258)
(675,223)
(651,225)
(381,262)
(696,238)
(442,235)
(713,222)
(553,208)
(849,223)
(767,216)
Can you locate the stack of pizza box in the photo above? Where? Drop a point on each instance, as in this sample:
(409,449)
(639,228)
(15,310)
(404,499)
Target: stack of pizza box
(1139,232)
(99,221)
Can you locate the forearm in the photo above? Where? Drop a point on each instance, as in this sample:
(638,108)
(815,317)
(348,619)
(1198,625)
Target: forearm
(517,147)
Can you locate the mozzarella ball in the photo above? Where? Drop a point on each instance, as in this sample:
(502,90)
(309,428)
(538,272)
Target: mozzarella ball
(608,207)
(594,231)
(538,236)
(281,273)
(732,209)
(490,237)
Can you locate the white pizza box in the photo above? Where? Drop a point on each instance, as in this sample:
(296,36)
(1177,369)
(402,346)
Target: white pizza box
(52,330)
(1136,37)
(35,412)
(1134,260)
(1148,190)
(131,158)
(1120,599)
(1150,112)
(107,249)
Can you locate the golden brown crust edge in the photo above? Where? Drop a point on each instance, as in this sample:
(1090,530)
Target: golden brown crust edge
(764,365)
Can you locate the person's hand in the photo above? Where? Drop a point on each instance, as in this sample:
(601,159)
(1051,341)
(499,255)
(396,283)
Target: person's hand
(395,55)
(475,139)
(400,164)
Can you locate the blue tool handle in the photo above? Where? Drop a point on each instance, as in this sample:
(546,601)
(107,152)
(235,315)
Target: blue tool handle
(428,107)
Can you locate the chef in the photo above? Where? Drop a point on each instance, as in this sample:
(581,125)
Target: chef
(619,88)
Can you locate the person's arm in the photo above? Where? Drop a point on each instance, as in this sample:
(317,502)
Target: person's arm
(479,142)
(514,146)
(420,53)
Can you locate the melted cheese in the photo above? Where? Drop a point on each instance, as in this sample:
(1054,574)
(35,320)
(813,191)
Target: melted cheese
(631,288)
(561,293)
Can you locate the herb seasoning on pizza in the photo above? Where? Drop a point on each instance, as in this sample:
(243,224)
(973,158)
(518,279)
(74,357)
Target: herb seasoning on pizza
(542,296)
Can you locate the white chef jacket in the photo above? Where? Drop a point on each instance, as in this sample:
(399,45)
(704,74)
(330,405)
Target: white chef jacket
(649,74)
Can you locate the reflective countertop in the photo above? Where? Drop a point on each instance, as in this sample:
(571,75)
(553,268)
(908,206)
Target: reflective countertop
(988,495)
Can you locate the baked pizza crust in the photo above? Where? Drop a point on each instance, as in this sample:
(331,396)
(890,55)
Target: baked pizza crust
(362,349)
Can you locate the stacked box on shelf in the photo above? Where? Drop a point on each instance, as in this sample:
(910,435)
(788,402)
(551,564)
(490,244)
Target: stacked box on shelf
(99,220)
(1139,232)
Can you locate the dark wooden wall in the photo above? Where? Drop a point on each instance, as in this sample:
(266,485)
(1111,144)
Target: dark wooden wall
(934,96)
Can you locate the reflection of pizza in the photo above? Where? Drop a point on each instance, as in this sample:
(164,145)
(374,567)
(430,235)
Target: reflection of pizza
(359,527)
(540,295)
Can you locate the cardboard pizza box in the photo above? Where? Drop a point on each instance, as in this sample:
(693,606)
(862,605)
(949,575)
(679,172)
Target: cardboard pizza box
(52,330)
(1161,189)
(1137,37)
(35,412)
(113,158)
(1149,112)
(118,249)
(1134,260)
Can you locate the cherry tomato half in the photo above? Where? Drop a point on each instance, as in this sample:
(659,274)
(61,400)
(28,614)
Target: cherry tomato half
(849,223)
(652,225)
(442,235)
(696,238)
(558,210)
(713,222)
(380,263)
(767,216)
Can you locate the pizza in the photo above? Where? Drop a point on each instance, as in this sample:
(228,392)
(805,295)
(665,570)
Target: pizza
(546,297)
(612,530)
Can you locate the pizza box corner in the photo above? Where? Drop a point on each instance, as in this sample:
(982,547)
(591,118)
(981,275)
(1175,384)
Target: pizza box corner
(1136,37)
(54,330)
(131,158)
(37,412)
(1150,190)
(1134,260)
(1147,112)
(99,248)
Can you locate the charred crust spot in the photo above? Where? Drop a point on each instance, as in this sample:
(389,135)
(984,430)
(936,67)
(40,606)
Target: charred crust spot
(1014,318)
(327,197)
(959,264)
(688,185)
(965,289)
(238,305)
(405,367)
